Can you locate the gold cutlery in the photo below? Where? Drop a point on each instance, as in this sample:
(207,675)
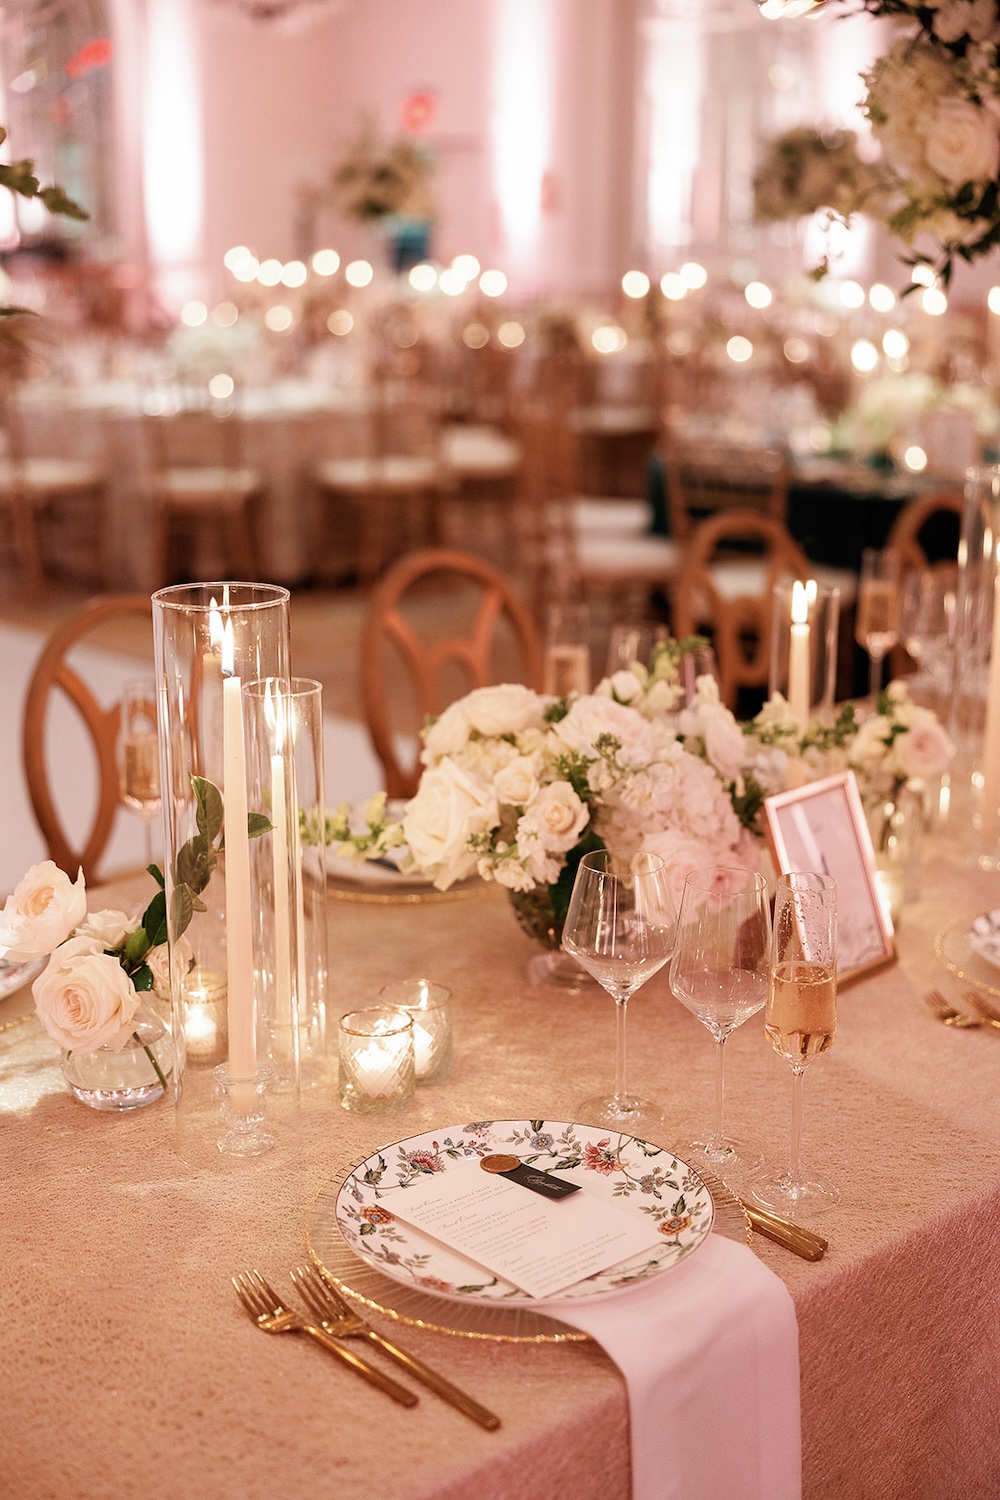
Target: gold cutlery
(986,1012)
(265,1308)
(340,1320)
(802,1241)
(946,1012)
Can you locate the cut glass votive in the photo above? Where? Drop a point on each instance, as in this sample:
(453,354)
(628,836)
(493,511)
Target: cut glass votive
(377,1066)
(427,1005)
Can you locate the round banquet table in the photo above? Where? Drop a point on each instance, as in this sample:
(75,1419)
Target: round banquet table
(132,1372)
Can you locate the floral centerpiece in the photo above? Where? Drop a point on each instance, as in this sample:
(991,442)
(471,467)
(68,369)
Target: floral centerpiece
(99,964)
(376,181)
(518,786)
(805,170)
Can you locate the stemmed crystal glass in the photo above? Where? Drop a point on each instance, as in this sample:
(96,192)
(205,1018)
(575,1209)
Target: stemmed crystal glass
(620,926)
(138,756)
(719,971)
(801,1020)
(876,626)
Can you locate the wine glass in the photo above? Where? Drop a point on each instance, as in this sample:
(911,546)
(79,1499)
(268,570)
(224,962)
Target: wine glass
(631,641)
(719,971)
(800,1020)
(620,926)
(928,617)
(876,625)
(138,756)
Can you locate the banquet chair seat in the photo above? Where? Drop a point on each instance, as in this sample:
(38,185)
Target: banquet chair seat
(201,492)
(55,675)
(727,595)
(482,469)
(703,479)
(413,667)
(58,496)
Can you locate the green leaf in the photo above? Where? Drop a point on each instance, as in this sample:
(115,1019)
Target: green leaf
(142,979)
(210,810)
(258,823)
(154,920)
(560,893)
(136,948)
(157,875)
(182,908)
(195,863)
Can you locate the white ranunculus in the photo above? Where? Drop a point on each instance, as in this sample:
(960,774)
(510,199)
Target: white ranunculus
(557,817)
(447,735)
(449,808)
(109,929)
(506,709)
(923,750)
(517,783)
(85,1000)
(963,144)
(41,912)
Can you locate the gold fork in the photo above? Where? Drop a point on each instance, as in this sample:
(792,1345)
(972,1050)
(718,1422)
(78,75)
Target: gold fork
(986,1012)
(947,1013)
(338,1318)
(265,1308)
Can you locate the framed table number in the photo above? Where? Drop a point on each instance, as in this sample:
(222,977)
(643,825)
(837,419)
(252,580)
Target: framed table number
(821,827)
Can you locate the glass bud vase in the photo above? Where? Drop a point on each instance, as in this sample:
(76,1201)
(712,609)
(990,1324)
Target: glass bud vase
(129,1079)
(897,824)
(535,916)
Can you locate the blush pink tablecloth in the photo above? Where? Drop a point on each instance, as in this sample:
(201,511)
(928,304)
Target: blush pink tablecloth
(131,1373)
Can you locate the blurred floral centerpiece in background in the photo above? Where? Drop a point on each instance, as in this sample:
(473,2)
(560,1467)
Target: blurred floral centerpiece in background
(805,170)
(378,180)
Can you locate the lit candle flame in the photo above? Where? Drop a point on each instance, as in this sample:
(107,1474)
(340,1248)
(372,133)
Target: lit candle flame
(800,603)
(214,624)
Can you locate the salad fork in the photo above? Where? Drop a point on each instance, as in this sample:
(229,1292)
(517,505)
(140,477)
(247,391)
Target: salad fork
(265,1308)
(947,1013)
(339,1319)
(986,1012)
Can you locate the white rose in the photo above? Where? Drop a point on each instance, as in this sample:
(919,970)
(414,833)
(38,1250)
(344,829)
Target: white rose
(591,716)
(680,855)
(625,686)
(506,709)
(557,817)
(517,783)
(85,1000)
(449,808)
(447,735)
(923,750)
(725,743)
(109,929)
(41,912)
(963,145)
(158,963)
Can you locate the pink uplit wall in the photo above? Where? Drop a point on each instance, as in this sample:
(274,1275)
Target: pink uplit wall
(278,106)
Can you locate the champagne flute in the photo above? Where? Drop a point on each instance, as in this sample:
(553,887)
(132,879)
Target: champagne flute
(138,756)
(567,652)
(800,1020)
(876,625)
(620,926)
(719,971)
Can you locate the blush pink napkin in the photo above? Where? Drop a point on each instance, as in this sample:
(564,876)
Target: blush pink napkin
(710,1356)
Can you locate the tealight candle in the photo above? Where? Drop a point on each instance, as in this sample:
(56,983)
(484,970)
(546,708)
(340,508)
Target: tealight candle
(377,1068)
(427,1005)
(204,992)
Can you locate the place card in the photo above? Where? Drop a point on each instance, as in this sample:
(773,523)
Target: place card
(542,1245)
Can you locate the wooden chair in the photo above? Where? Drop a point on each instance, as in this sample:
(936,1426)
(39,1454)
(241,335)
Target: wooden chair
(399,662)
(201,490)
(703,479)
(54,673)
(396,483)
(572,543)
(728,594)
(57,501)
(925,510)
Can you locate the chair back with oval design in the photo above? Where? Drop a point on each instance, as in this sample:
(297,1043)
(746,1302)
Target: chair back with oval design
(439,623)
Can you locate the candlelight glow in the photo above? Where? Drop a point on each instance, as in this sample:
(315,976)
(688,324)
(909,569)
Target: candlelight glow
(800,602)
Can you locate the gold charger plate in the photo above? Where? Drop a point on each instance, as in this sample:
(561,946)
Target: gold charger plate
(365,1285)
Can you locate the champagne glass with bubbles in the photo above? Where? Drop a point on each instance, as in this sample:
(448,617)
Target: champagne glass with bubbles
(620,926)
(719,971)
(801,1020)
(138,756)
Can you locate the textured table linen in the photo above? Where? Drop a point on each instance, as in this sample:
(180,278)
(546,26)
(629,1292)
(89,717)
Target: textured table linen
(130,1371)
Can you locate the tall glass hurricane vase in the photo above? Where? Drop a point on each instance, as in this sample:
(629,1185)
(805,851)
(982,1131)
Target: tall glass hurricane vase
(620,926)
(210,641)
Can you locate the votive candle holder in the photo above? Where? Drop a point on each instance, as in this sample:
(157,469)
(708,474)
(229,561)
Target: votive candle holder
(377,1060)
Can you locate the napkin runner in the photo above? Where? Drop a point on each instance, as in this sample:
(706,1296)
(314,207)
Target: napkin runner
(710,1357)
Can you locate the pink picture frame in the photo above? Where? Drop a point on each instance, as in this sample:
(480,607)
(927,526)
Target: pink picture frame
(821,827)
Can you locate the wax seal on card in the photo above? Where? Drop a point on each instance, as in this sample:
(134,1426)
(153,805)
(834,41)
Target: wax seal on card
(500,1163)
(515,1170)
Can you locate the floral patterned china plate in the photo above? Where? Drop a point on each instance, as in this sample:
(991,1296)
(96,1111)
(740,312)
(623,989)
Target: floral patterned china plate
(638,1178)
(984,936)
(13,976)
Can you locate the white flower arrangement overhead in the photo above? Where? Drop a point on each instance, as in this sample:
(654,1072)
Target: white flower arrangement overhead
(933,100)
